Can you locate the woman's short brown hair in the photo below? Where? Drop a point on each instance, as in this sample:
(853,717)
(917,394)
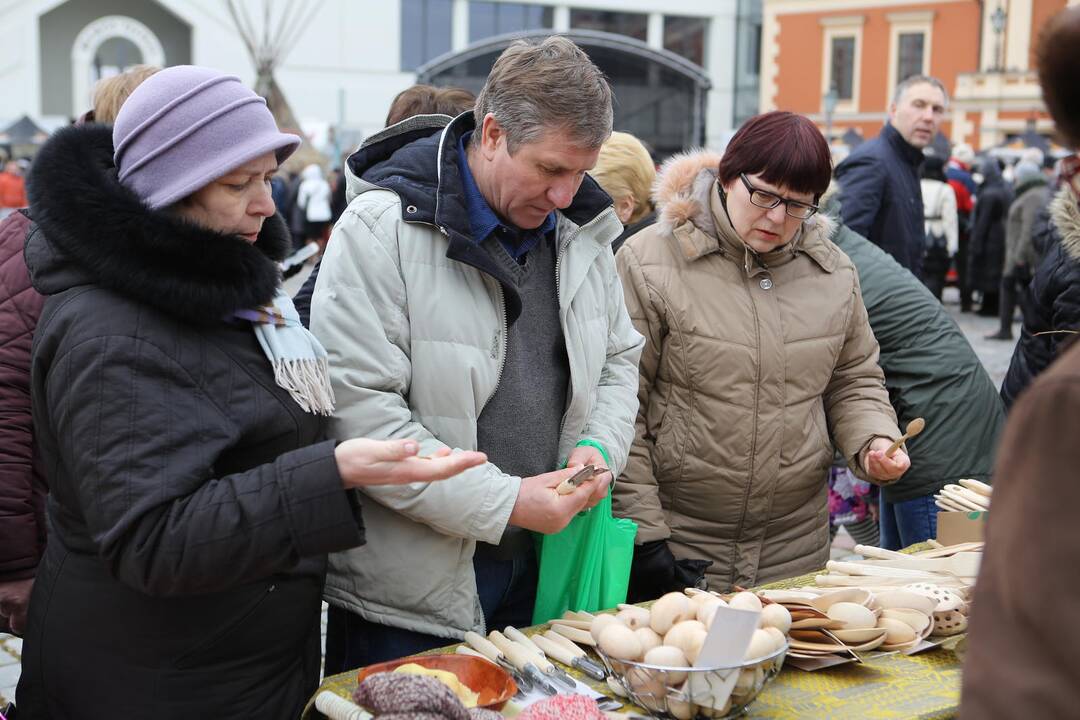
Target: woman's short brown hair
(785,149)
(110,93)
(429,100)
(625,168)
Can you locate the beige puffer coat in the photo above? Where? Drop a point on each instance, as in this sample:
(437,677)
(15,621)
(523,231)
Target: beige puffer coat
(753,367)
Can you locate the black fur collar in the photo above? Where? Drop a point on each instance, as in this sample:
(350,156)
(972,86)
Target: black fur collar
(104,230)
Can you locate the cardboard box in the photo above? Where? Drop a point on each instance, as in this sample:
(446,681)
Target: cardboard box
(954,528)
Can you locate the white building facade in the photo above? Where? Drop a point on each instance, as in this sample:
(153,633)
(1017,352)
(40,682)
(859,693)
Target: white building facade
(350,57)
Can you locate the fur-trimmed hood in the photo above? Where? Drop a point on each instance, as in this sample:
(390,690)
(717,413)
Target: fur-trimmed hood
(1065,214)
(681,194)
(93,230)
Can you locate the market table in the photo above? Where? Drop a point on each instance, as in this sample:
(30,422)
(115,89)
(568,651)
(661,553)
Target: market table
(887,685)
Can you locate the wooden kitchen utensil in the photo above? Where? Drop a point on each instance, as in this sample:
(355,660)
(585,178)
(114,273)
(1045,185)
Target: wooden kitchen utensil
(914,427)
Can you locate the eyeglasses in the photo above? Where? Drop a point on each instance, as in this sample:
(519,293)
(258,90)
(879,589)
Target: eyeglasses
(768,200)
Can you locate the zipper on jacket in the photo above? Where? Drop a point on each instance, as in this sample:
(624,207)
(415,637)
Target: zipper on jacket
(558,298)
(504,330)
(753,437)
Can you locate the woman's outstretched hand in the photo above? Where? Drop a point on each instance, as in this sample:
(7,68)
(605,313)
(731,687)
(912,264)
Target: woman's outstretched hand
(363,462)
(885,469)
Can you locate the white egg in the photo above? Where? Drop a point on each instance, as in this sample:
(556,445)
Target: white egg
(649,639)
(669,657)
(745,601)
(779,638)
(633,617)
(761,644)
(689,636)
(707,609)
(669,610)
(620,642)
(776,616)
(599,623)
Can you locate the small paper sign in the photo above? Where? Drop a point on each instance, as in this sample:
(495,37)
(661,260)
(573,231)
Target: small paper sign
(728,638)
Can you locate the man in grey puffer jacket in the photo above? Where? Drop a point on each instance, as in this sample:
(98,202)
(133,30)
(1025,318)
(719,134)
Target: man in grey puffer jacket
(468,299)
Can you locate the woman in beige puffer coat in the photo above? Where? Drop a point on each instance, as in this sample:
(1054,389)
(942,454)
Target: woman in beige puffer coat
(758,359)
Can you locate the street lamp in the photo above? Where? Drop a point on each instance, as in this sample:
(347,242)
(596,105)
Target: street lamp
(997,22)
(830,100)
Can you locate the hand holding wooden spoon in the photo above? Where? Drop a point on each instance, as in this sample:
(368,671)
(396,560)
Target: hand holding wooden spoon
(879,466)
(914,427)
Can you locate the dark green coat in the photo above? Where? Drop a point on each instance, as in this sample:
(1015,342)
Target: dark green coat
(930,371)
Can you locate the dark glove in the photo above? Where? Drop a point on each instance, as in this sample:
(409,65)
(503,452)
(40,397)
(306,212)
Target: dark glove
(691,573)
(655,571)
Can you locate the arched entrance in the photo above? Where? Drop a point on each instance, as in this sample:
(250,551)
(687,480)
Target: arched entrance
(659,96)
(106,47)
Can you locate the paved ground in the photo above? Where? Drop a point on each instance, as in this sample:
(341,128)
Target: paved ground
(994,354)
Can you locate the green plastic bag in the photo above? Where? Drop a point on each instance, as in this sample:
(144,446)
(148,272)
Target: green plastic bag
(587,565)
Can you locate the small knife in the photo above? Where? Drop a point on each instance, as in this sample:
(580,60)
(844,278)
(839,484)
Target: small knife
(522,659)
(556,673)
(557,651)
(486,648)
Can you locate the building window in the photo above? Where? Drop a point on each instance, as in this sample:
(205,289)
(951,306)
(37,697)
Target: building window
(842,67)
(633,25)
(909,60)
(686,36)
(425,31)
(487,19)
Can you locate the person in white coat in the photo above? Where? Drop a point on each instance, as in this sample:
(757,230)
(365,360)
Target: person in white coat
(469,299)
(941,223)
(314,197)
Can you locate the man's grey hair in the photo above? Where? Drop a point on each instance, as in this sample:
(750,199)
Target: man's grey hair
(551,85)
(918,80)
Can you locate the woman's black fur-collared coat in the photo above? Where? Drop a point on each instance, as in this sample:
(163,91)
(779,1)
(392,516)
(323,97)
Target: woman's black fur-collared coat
(191,502)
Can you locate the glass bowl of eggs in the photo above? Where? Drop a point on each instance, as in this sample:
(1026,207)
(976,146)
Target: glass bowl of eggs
(652,655)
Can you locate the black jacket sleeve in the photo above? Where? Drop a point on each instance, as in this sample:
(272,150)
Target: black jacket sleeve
(302,300)
(142,437)
(862,187)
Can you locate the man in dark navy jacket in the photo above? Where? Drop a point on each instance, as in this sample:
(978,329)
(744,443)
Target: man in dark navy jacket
(879,182)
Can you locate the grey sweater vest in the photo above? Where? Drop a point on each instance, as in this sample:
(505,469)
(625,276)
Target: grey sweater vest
(519,427)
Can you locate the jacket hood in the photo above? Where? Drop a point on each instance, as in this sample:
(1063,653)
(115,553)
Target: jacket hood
(311,172)
(93,230)
(681,193)
(1065,215)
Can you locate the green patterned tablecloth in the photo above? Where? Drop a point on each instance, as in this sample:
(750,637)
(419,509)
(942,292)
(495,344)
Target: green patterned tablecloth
(886,686)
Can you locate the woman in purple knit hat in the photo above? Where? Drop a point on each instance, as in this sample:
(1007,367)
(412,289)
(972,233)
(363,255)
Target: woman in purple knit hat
(179,405)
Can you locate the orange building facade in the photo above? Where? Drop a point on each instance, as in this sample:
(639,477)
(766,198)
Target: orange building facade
(983,52)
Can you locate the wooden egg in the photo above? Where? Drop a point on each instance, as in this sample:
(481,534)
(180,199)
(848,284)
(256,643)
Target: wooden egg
(707,609)
(680,709)
(776,616)
(668,656)
(669,610)
(761,644)
(689,636)
(779,638)
(649,639)
(854,617)
(598,625)
(619,641)
(745,601)
(633,617)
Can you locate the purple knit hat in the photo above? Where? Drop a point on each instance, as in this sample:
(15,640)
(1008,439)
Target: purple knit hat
(185,127)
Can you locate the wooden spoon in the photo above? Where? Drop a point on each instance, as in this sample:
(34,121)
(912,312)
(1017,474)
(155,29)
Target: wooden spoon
(913,428)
